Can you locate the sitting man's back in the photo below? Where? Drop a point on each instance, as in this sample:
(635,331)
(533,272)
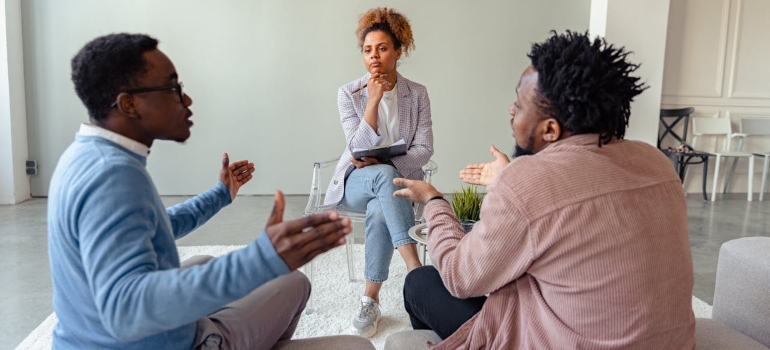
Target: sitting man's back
(604,261)
(582,242)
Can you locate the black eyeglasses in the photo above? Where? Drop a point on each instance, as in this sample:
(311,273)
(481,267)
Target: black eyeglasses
(173,87)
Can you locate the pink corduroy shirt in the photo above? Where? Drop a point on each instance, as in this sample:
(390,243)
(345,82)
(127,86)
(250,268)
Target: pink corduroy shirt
(578,247)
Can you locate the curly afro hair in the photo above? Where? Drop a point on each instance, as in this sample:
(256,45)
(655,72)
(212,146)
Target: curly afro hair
(388,21)
(108,65)
(585,85)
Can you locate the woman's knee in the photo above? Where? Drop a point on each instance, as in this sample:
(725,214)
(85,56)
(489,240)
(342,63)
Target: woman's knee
(386,173)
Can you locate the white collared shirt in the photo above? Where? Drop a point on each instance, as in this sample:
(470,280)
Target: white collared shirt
(131,145)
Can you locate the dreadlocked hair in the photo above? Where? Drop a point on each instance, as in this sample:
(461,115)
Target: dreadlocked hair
(585,85)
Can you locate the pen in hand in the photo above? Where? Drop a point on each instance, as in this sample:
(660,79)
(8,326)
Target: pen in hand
(359,89)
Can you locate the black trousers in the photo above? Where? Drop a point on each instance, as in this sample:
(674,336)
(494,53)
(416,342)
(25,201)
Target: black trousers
(430,306)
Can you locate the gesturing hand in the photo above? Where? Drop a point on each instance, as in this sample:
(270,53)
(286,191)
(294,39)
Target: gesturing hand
(416,191)
(235,175)
(483,173)
(299,241)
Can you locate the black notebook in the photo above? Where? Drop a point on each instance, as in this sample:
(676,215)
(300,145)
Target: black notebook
(382,153)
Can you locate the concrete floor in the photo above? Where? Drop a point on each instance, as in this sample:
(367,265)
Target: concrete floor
(25,294)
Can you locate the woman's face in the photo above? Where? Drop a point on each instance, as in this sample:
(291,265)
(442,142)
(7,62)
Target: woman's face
(379,54)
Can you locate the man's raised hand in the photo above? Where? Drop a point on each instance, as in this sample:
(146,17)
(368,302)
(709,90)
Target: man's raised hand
(483,173)
(299,241)
(235,175)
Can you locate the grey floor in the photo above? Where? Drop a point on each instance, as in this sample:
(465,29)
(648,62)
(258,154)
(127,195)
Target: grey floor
(25,297)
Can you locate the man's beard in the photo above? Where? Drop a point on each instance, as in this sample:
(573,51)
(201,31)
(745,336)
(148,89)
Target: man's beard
(526,151)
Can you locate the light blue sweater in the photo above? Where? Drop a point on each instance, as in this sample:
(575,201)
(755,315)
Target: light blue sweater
(114,263)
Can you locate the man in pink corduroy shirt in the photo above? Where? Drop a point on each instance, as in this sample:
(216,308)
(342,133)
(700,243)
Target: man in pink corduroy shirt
(582,242)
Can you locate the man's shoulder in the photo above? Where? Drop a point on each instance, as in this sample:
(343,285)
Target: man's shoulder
(640,146)
(523,168)
(87,162)
(106,153)
(570,173)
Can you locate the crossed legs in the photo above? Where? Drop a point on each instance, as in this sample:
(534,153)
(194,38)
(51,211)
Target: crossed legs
(388,219)
(259,320)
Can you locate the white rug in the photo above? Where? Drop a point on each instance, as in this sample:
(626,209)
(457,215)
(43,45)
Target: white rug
(335,299)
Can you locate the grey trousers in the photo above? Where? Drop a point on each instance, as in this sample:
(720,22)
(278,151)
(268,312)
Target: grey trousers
(259,320)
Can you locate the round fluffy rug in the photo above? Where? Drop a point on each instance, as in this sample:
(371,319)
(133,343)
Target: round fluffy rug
(336,299)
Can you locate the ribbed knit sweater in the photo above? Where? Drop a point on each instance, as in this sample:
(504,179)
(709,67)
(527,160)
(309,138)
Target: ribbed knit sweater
(114,263)
(578,247)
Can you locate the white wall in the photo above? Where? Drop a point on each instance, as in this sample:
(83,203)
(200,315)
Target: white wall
(641,27)
(264,76)
(716,61)
(14,184)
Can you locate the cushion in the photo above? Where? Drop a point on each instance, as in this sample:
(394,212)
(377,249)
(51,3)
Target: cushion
(713,335)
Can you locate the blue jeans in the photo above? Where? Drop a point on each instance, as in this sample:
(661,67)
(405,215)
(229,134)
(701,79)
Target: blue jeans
(388,219)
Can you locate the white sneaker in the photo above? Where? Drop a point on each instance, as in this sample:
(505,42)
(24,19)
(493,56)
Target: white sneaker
(365,323)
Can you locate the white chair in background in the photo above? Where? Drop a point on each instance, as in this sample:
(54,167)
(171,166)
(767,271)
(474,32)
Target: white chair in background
(721,127)
(752,128)
(314,205)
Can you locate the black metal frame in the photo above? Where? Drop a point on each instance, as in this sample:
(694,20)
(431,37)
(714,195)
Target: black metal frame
(682,159)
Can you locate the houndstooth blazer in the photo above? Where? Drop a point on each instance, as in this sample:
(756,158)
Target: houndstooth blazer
(414,126)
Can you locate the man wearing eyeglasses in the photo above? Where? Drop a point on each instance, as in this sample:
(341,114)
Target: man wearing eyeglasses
(117,279)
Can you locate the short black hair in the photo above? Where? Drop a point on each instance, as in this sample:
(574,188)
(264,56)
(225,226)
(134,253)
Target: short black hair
(585,84)
(108,65)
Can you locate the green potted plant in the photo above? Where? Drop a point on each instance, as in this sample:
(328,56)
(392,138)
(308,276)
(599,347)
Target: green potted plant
(466,204)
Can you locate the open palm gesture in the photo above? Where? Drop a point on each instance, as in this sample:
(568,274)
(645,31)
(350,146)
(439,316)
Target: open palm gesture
(235,175)
(483,173)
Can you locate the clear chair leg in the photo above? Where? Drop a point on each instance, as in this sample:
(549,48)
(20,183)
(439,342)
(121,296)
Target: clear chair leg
(351,258)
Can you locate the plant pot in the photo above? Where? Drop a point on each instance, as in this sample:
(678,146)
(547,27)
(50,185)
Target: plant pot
(468,225)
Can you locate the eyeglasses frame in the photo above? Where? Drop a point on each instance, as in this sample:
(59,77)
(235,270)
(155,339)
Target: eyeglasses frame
(173,87)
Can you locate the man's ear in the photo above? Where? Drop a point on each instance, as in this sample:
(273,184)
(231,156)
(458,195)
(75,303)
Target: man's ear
(552,130)
(125,104)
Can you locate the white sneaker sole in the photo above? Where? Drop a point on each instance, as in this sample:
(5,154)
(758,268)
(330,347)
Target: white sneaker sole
(368,332)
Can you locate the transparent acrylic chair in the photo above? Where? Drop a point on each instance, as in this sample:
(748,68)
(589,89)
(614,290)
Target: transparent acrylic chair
(753,128)
(315,204)
(722,128)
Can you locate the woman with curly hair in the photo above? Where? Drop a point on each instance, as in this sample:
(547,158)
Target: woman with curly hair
(379,109)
